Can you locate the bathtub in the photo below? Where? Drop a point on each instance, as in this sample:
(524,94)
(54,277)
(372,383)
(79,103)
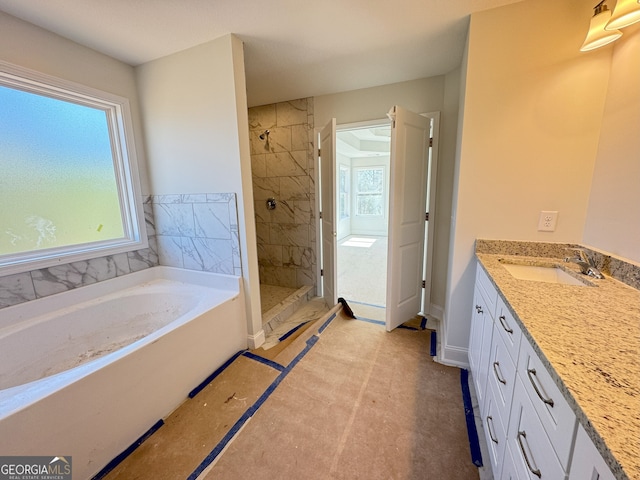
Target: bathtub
(86,372)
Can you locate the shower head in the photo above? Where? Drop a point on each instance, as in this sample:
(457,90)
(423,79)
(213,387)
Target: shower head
(264,135)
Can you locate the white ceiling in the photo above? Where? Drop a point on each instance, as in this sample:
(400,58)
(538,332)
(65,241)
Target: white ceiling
(293,48)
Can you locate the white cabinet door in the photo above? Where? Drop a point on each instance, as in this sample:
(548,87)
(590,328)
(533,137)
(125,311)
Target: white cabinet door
(587,464)
(480,347)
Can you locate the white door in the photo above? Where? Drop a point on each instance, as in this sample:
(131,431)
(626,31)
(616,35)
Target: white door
(328,212)
(408,186)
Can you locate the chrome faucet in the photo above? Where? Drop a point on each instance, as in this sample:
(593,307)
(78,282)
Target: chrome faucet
(586,264)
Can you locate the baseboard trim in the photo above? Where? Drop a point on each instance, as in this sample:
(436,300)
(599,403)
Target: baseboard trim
(255,341)
(437,312)
(454,356)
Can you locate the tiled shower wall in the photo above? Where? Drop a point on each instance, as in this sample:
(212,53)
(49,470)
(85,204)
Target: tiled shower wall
(27,286)
(283,168)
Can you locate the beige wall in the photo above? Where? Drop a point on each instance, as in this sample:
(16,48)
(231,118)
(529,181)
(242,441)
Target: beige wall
(532,113)
(194,108)
(32,47)
(434,94)
(613,216)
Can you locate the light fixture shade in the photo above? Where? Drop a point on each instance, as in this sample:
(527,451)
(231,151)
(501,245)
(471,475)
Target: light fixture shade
(597,36)
(625,13)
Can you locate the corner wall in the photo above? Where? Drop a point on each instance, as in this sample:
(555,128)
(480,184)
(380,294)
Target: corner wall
(613,216)
(196,126)
(531,113)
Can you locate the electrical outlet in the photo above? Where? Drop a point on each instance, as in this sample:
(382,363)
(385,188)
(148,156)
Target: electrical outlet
(547,221)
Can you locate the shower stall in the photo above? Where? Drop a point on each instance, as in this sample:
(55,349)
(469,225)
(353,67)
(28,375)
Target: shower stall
(282,163)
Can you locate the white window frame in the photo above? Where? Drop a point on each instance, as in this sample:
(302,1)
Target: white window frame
(118,113)
(357,192)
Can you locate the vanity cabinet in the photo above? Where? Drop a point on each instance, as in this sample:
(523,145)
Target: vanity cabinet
(529,427)
(587,462)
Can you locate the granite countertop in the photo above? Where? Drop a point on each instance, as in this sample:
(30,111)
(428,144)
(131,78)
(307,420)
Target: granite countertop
(589,338)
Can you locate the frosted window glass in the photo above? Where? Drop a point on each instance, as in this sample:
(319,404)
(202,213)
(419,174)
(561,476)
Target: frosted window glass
(58,185)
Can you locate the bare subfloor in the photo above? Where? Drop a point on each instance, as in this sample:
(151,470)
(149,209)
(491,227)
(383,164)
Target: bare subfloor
(350,402)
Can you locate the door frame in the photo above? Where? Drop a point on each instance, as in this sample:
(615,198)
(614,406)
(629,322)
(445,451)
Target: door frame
(431,197)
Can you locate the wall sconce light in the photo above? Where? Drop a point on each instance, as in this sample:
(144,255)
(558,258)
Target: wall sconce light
(597,36)
(625,13)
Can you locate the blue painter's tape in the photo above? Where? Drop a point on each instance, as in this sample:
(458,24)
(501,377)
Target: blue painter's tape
(434,344)
(208,380)
(423,323)
(370,320)
(116,461)
(266,361)
(251,411)
(474,443)
(326,324)
(292,331)
(366,304)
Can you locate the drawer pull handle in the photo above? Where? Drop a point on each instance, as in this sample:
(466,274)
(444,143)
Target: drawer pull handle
(496,365)
(531,372)
(478,309)
(494,440)
(536,472)
(505,325)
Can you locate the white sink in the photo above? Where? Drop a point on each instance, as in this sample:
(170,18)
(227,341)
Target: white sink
(550,274)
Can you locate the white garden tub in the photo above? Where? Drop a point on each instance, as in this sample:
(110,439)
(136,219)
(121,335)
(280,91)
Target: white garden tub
(86,372)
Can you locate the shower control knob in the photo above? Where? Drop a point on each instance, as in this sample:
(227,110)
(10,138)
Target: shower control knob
(271,203)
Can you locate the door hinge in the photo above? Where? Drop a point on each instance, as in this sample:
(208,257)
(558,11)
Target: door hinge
(321,272)
(319,153)
(424,284)
(320,215)
(426,217)
(431,142)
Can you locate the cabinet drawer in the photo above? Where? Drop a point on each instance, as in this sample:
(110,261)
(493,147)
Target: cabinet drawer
(495,432)
(501,376)
(533,453)
(487,290)
(508,329)
(587,462)
(554,412)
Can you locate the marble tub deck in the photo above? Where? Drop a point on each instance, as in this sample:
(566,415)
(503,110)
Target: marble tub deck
(589,339)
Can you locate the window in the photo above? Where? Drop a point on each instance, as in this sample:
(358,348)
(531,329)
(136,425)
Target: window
(343,192)
(369,191)
(69,188)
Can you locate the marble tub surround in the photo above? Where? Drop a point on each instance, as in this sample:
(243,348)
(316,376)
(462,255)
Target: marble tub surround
(198,232)
(27,286)
(283,168)
(621,269)
(589,339)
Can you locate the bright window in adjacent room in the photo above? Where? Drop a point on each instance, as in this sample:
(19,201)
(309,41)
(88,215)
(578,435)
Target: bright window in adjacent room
(68,188)
(370,191)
